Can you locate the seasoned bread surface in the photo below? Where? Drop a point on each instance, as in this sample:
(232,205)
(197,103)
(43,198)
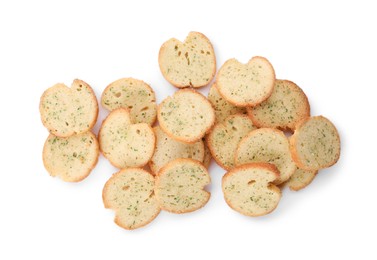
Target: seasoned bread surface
(133,94)
(222,107)
(71,158)
(224,138)
(130,193)
(269,146)
(67,111)
(246,84)
(300,179)
(284,109)
(186,116)
(180,186)
(248,189)
(315,144)
(168,149)
(125,144)
(191,63)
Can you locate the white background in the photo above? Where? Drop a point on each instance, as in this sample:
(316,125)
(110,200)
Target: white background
(328,49)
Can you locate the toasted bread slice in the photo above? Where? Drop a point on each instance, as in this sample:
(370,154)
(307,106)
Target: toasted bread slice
(130,193)
(300,179)
(248,189)
(207,155)
(134,94)
(315,144)
(180,186)
(71,158)
(270,146)
(125,144)
(186,116)
(246,84)
(222,107)
(224,138)
(284,109)
(191,63)
(67,111)
(168,149)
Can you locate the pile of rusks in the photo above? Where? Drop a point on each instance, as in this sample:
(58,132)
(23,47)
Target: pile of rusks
(245,124)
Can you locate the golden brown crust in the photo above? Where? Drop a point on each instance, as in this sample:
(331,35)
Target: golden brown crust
(164,169)
(294,147)
(268,166)
(108,206)
(230,99)
(184,139)
(177,161)
(175,84)
(78,178)
(207,154)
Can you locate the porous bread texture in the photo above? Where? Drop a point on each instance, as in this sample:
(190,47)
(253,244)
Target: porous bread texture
(71,158)
(191,63)
(186,116)
(246,84)
(168,149)
(125,144)
(180,186)
(67,111)
(284,109)
(269,146)
(222,107)
(134,94)
(315,144)
(130,193)
(224,138)
(300,179)
(249,189)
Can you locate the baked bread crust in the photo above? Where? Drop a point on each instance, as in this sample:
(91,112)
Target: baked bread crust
(207,154)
